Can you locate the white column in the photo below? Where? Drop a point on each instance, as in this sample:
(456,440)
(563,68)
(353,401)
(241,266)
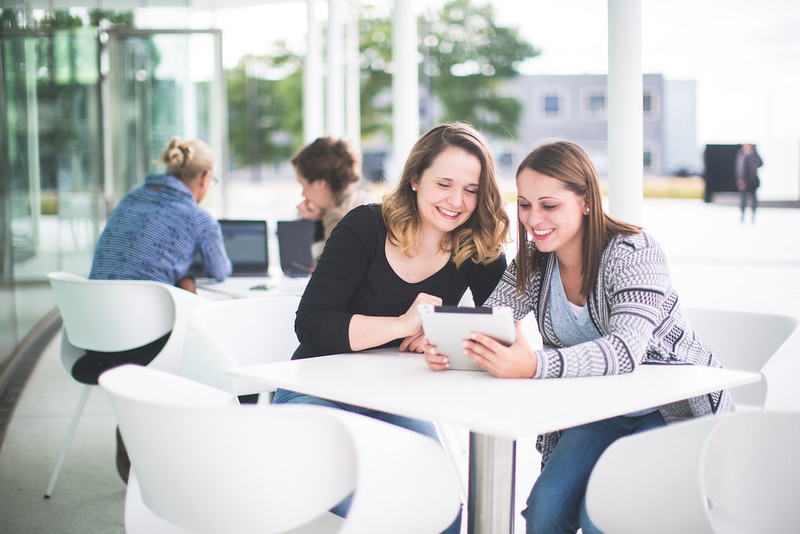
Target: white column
(334,103)
(312,77)
(32,126)
(405,85)
(625,116)
(352,81)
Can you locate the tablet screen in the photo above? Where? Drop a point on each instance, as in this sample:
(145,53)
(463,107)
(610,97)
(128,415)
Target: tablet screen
(446,327)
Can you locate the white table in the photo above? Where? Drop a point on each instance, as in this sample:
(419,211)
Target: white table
(253,286)
(497,412)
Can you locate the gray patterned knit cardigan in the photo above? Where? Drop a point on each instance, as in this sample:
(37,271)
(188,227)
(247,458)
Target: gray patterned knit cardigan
(635,308)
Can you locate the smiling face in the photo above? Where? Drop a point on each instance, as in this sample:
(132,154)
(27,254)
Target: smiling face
(552,214)
(447,191)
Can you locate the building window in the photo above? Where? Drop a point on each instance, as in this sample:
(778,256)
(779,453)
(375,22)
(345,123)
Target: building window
(648,159)
(651,104)
(597,104)
(593,103)
(551,105)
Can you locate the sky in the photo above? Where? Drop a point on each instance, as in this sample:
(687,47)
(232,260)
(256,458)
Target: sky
(743,55)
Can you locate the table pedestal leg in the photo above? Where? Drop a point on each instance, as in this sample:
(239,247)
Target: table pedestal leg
(490,504)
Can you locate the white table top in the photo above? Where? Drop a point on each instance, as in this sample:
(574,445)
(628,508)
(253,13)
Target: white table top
(401,383)
(255,286)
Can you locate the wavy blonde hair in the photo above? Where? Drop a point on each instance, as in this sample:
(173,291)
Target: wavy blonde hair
(481,238)
(187,160)
(569,163)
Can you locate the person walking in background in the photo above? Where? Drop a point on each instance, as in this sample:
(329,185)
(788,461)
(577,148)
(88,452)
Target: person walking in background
(747,163)
(329,171)
(601,293)
(152,235)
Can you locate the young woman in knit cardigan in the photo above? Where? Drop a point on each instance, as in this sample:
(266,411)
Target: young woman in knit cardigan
(601,293)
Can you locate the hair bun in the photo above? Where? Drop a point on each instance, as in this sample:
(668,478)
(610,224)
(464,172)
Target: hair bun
(187,152)
(343,150)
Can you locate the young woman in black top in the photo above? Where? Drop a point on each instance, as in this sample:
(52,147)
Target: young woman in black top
(440,231)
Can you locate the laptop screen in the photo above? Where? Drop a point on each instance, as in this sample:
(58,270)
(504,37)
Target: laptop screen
(246,245)
(294,243)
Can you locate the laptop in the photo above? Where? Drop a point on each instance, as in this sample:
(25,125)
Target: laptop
(246,245)
(294,243)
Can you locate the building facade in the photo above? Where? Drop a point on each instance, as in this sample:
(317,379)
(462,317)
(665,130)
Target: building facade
(574,107)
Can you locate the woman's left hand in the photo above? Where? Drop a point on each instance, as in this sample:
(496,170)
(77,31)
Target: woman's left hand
(413,343)
(435,361)
(515,361)
(310,211)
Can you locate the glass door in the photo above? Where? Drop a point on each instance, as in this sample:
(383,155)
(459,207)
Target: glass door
(50,140)
(50,166)
(161,83)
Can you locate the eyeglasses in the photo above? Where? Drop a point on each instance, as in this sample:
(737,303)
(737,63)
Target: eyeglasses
(214,180)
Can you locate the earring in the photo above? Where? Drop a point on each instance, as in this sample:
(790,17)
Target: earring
(413,188)
(587,209)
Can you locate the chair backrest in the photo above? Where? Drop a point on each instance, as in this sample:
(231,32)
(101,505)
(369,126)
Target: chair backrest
(117,315)
(743,340)
(726,474)
(751,472)
(233,333)
(112,315)
(209,465)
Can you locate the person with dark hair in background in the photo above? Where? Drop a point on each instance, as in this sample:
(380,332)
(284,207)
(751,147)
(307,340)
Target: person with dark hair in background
(747,181)
(152,235)
(329,171)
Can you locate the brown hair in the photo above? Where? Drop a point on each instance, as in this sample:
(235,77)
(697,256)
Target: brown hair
(332,160)
(187,160)
(569,163)
(481,238)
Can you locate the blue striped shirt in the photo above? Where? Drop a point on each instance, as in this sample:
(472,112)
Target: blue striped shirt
(153,234)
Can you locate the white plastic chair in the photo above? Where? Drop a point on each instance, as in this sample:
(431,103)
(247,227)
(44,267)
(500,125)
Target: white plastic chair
(112,316)
(232,333)
(751,341)
(728,474)
(201,463)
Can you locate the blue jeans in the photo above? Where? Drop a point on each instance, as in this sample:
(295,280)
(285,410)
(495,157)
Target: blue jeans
(745,195)
(283,396)
(556,503)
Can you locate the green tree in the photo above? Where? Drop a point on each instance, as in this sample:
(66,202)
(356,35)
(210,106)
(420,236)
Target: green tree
(375,36)
(115,18)
(466,60)
(265,108)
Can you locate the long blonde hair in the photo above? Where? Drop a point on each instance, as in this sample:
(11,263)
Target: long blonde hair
(481,238)
(569,163)
(187,160)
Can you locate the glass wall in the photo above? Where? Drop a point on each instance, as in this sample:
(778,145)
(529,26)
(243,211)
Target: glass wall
(87,108)
(51,166)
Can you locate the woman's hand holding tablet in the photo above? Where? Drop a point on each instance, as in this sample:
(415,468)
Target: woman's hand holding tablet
(447,328)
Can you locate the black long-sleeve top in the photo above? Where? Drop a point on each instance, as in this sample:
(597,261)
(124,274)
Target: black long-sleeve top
(353,277)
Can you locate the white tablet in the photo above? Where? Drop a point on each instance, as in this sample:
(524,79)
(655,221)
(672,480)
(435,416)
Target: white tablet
(447,327)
